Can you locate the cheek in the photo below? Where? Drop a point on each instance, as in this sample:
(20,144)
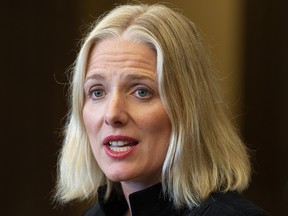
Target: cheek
(91,120)
(157,125)
(86,118)
(92,126)
(157,135)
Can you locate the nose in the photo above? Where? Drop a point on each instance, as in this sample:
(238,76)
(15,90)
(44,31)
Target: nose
(116,114)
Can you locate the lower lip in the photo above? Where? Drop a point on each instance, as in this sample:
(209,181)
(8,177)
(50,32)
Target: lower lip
(119,155)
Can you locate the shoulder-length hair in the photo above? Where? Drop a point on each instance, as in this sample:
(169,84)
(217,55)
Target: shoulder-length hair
(205,153)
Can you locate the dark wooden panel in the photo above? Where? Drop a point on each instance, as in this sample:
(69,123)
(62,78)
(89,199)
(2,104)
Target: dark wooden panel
(38,43)
(266,101)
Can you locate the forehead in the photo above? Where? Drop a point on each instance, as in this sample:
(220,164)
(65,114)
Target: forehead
(120,53)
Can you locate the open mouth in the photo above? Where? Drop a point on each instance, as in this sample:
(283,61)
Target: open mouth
(119,147)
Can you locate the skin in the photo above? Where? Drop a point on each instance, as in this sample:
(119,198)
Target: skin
(122,99)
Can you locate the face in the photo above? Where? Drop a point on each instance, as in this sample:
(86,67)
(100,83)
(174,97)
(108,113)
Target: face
(127,125)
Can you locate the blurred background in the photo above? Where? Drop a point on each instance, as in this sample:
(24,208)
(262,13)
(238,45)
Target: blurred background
(39,41)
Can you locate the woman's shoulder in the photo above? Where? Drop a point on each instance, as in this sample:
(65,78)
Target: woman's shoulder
(224,204)
(218,204)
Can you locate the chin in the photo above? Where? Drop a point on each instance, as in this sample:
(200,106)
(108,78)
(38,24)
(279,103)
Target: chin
(118,176)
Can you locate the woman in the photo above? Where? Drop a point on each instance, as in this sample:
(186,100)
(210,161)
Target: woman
(147,133)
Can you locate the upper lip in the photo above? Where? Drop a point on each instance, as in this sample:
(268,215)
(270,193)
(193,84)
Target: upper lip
(130,140)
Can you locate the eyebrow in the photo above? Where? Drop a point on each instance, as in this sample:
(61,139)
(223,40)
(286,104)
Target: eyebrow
(95,76)
(132,77)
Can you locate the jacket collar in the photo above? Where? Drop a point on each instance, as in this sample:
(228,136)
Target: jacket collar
(150,201)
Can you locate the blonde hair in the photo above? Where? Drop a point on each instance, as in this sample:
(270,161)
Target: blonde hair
(205,153)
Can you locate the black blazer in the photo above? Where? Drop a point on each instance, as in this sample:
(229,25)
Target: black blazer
(152,202)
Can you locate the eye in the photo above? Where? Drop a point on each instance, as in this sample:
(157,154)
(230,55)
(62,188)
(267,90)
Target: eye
(96,93)
(143,93)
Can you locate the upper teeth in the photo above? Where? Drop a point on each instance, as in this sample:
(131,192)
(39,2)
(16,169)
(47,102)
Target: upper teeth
(118,143)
